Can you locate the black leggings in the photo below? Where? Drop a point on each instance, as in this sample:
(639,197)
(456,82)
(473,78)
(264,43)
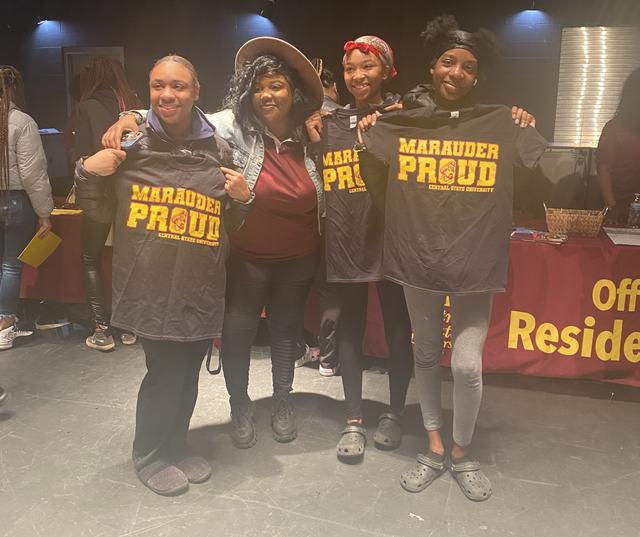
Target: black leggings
(166,398)
(282,287)
(94,235)
(397,329)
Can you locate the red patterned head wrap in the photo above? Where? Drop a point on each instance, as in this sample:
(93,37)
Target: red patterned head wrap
(374,45)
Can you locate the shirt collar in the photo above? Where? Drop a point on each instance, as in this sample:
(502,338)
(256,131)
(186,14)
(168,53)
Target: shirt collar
(279,144)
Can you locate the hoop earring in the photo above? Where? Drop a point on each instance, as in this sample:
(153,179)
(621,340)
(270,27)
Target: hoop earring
(475,82)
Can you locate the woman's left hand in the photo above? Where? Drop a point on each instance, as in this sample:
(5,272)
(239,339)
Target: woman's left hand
(522,117)
(235,185)
(314,126)
(45,227)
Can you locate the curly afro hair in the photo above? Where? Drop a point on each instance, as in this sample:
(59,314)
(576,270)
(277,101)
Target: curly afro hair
(444,33)
(240,91)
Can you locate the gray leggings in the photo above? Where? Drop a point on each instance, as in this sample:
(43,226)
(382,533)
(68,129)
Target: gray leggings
(470,316)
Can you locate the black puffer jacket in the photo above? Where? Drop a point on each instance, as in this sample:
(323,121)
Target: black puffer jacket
(95,116)
(419,97)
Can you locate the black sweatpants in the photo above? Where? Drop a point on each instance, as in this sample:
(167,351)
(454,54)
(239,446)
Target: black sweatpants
(166,398)
(282,287)
(397,328)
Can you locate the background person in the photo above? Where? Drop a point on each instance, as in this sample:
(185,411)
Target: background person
(619,153)
(25,194)
(104,93)
(331,99)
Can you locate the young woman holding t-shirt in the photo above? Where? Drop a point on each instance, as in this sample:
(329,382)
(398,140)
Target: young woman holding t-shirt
(447,225)
(274,255)
(175,199)
(353,246)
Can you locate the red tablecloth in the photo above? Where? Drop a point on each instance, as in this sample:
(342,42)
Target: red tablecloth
(60,277)
(569,311)
(550,297)
(585,292)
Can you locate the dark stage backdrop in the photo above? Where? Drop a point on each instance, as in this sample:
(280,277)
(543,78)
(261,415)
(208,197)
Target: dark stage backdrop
(210,32)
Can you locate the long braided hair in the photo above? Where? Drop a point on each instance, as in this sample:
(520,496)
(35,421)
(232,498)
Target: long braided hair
(11,90)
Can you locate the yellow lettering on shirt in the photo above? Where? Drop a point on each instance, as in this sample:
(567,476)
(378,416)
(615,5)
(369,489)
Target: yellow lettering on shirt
(175,214)
(454,165)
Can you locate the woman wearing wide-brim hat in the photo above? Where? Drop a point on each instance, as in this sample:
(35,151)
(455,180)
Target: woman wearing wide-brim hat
(275,253)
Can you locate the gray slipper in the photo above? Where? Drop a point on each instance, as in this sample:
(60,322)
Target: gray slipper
(352,442)
(163,478)
(388,435)
(195,467)
(427,469)
(473,483)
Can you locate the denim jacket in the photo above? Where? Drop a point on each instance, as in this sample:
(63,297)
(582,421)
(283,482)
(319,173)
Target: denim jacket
(248,153)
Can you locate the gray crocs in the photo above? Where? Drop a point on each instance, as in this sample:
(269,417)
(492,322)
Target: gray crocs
(426,470)
(352,442)
(388,435)
(473,483)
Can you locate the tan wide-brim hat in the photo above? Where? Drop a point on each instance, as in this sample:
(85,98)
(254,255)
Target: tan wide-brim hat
(272,46)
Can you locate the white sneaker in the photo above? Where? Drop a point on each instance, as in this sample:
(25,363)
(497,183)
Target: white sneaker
(311,354)
(23,333)
(328,371)
(7,336)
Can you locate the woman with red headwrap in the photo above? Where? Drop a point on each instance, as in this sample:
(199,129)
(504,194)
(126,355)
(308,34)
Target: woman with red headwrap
(353,246)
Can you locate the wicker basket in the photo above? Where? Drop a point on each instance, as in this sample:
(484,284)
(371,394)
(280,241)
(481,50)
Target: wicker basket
(574,221)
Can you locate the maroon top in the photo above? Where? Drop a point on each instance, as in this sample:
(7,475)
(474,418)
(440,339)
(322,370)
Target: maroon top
(619,149)
(283,221)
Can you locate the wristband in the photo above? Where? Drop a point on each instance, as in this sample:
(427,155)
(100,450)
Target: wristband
(358,147)
(137,115)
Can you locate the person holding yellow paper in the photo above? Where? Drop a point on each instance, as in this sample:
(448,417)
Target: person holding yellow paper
(25,194)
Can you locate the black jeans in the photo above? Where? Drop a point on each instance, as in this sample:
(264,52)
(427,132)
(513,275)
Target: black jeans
(94,234)
(166,398)
(282,287)
(397,329)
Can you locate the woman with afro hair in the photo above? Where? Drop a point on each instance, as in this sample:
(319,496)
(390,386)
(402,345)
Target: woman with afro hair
(447,228)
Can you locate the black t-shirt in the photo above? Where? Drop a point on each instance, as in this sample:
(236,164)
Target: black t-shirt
(170,244)
(449,195)
(353,226)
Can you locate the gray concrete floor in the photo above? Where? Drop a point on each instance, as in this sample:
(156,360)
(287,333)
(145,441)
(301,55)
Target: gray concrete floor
(563,456)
